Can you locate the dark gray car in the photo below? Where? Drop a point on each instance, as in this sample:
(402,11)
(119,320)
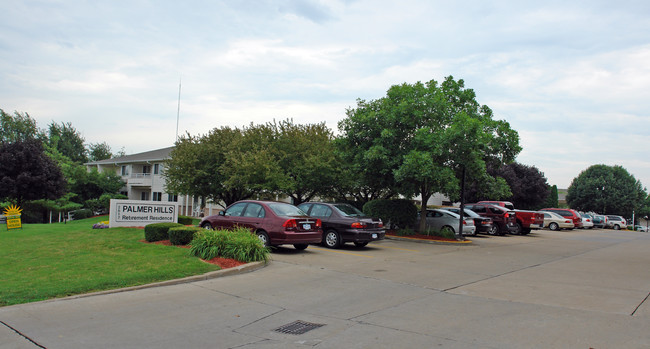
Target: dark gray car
(344,223)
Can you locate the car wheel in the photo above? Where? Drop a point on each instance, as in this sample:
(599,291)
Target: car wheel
(617,227)
(264,239)
(332,239)
(360,244)
(494,230)
(447,230)
(300,246)
(207,226)
(554,226)
(519,229)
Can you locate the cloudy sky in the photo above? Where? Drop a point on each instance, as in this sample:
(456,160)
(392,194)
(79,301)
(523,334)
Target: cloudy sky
(572,77)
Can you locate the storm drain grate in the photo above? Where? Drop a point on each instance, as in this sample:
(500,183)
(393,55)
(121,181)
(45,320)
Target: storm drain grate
(298,327)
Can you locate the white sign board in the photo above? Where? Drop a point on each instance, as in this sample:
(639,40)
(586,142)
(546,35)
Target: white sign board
(134,213)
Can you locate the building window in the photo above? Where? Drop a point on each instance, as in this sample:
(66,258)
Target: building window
(125,170)
(146,169)
(144,196)
(157,196)
(172,197)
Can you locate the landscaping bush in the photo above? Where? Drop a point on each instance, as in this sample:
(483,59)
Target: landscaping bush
(237,244)
(185,220)
(158,231)
(81,214)
(182,235)
(394,213)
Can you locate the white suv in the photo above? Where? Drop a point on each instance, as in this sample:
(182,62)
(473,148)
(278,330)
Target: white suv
(616,222)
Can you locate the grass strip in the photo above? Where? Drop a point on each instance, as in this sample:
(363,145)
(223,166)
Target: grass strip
(44,261)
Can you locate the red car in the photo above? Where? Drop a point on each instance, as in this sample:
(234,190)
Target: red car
(274,223)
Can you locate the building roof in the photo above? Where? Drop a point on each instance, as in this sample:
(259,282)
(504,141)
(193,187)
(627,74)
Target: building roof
(153,155)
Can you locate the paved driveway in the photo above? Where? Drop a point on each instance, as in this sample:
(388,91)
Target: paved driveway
(569,289)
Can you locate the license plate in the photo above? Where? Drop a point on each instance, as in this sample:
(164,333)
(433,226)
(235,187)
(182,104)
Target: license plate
(374,236)
(306,226)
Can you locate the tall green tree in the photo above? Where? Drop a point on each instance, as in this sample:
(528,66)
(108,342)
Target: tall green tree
(27,173)
(18,127)
(99,151)
(427,136)
(304,154)
(67,140)
(196,167)
(528,186)
(607,190)
(553,198)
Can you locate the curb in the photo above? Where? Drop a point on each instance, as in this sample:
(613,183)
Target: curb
(427,241)
(244,268)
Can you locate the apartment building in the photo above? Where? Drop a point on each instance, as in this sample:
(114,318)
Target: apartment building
(143,175)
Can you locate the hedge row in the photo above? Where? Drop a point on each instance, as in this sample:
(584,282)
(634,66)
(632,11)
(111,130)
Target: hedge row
(158,231)
(395,214)
(182,235)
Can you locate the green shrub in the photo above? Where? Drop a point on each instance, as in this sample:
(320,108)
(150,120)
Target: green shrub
(158,231)
(185,220)
(394,213)
(182,235)
(237,244)
(81,214)
(405,232)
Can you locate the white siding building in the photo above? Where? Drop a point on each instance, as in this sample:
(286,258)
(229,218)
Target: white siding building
(142,174)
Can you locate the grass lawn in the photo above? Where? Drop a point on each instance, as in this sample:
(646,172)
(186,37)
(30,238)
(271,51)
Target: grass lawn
(44,261)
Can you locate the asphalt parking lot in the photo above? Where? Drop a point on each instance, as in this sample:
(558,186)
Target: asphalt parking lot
(567,289)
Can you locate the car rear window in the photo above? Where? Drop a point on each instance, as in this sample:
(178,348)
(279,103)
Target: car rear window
(349,210)
(286,210)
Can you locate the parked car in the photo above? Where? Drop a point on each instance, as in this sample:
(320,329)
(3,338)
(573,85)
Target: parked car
(568,213)
(274,223)
(442,220)
(482,224)
(599,221)
(640,228)
(616,222)
(526,220)
(344,223)
(554,221)
(587,221)
(504,220)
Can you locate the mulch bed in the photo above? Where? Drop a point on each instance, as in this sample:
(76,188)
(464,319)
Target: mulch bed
(224,263)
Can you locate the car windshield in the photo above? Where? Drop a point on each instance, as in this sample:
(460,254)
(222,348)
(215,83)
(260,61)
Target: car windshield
(349,210)
(286,210)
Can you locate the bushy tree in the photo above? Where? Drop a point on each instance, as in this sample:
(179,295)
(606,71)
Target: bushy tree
(196,166)
(527,185)
(67,140)
(18,127)
(27,173)
(99,151)
(607,190)
(425,138)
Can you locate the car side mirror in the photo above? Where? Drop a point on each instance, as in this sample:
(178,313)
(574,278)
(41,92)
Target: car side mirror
(222,213)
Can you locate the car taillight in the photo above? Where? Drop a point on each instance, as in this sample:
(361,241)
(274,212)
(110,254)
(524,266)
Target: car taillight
(319,224)
(567,221)
(464,223)
(290,223)
(359,225)
(506,215)
(380,225)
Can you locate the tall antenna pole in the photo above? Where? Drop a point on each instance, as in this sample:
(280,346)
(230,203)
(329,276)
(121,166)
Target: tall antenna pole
(178,111)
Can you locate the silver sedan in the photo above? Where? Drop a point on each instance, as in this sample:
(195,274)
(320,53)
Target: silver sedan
(443,220)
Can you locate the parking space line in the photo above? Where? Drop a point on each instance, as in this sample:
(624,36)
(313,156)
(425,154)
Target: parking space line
(342,252)
(397,248)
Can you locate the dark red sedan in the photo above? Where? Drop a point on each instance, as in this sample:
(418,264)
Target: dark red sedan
(274,223)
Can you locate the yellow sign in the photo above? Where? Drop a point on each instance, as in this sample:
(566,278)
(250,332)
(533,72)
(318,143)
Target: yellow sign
(13,217)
